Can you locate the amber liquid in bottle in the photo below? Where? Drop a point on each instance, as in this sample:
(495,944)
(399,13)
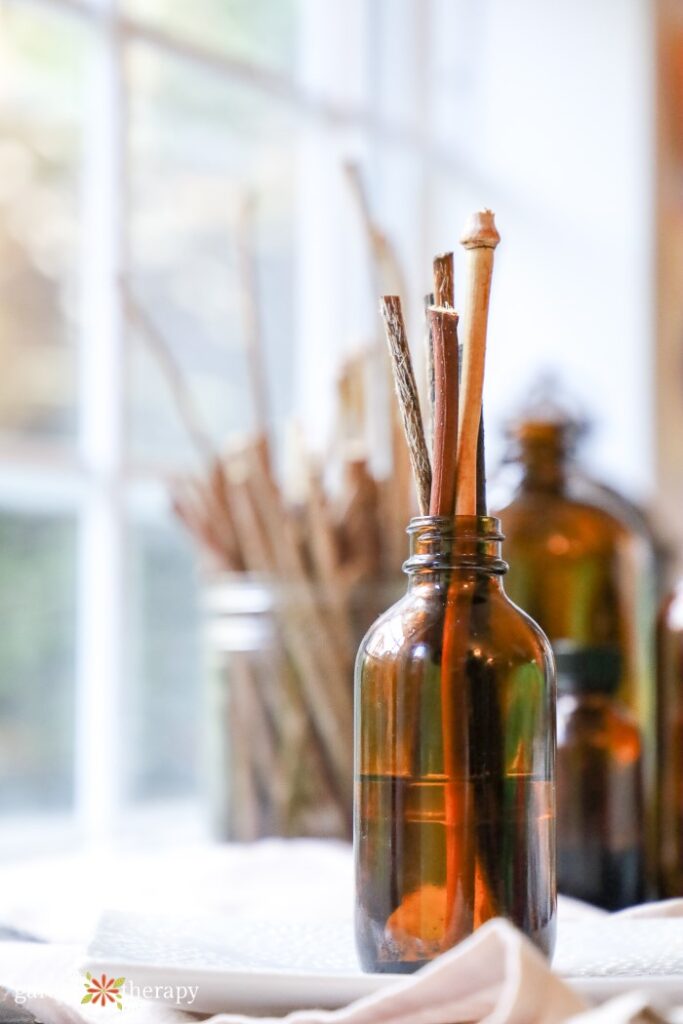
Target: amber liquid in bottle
(455,735)
(600,832)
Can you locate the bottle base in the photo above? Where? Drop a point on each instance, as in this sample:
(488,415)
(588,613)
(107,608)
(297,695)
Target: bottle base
(376,957)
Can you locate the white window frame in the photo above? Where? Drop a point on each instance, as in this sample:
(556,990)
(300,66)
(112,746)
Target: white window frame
(95,484)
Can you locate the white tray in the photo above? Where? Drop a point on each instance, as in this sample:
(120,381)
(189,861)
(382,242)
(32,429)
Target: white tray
(251,966)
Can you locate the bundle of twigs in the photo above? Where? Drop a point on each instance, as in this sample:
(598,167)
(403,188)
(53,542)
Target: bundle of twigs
(446,483)
(450,481)
(322,560)
(325,556)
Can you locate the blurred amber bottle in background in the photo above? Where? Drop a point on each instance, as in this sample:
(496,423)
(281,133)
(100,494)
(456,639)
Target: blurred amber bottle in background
(600,842)
(584,573)
(670,747)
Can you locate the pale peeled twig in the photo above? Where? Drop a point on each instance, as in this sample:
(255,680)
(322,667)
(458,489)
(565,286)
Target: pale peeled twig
(161,349)
(252,321)
(387,273)
(387,277)
(480,240)
(406,393)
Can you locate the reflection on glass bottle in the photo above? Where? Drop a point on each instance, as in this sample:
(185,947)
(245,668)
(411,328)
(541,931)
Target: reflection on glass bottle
(670,748)
(582,573)
(455,742)
(599,782)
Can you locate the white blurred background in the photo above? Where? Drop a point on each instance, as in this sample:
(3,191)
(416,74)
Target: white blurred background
(129,132)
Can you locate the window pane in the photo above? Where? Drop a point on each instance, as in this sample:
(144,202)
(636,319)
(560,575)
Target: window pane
(163,701)
(263,31)
(197,145)
(41,99)
(37,661)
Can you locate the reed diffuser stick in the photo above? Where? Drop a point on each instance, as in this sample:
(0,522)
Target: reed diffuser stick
(443,325)
(480,240)
(429,359)
(406,393)
(444,288)
(444,330)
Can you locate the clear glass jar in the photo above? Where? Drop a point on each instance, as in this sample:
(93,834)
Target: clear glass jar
(454,756)
(278,751)
(600,834)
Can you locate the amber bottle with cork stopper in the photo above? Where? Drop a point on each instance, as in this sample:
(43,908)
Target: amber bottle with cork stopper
(455,694)
(600,835)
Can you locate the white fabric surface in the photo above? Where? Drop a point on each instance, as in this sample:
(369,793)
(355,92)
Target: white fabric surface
(496,976)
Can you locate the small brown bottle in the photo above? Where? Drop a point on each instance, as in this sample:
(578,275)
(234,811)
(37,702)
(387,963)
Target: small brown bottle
(599,786)
(455,746)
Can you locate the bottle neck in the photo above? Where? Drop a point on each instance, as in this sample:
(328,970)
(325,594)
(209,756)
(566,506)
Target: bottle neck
(544,468)
(467,545)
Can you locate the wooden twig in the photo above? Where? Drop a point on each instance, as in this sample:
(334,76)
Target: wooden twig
(459,862)
(245,814)
(251,318)
(482,506)
(164,356)
(429,366)
(315,633)
(270,553)
(324,553)
(406,393)
(444,288)
(191,508)
(387,273)
(387,277)
(444,324)
(359,526)
(480,240)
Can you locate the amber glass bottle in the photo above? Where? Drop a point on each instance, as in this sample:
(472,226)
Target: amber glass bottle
(670,747)
(455,745)
(582,573)
(599,782)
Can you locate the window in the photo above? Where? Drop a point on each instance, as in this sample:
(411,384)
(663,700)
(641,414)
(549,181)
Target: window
(132,134)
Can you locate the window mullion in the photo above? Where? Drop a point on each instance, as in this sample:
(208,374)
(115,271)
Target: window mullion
(102,373)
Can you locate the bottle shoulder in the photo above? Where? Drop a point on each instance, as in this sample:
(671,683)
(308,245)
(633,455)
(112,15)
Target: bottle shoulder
(565,523)
(495,623)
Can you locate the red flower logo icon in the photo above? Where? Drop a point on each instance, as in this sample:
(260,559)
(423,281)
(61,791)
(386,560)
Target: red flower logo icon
(103,990)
